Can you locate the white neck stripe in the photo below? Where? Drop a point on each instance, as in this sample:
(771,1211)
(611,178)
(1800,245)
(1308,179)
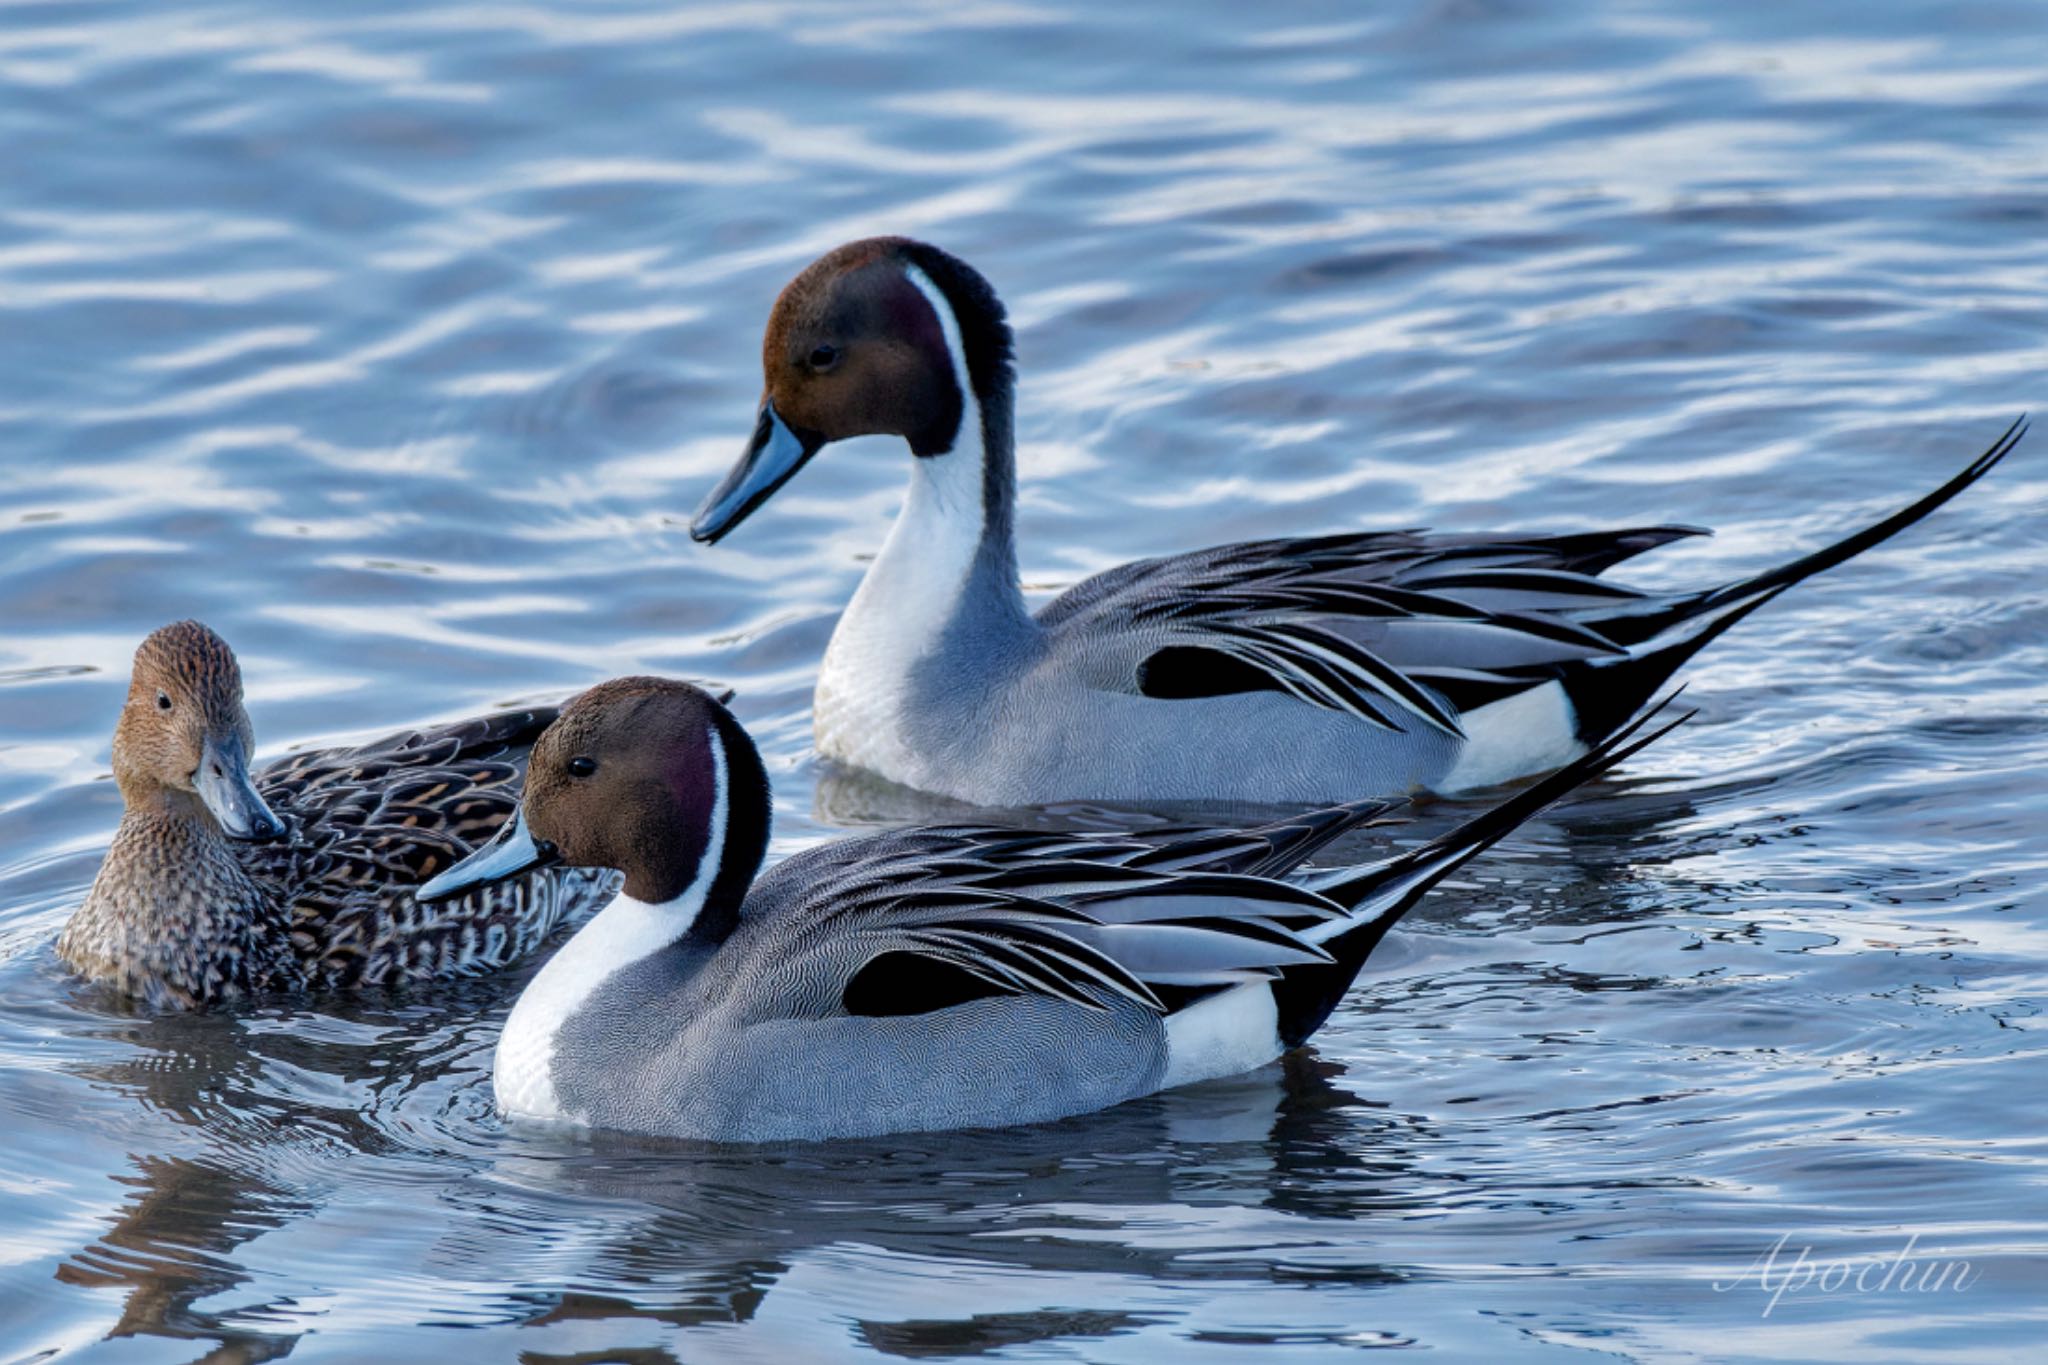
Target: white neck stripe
(956,355)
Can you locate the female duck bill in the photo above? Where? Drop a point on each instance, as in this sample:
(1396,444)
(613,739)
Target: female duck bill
(223,785)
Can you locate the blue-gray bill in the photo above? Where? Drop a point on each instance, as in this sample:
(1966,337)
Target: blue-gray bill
(775,453)
(222,782)
(513,851)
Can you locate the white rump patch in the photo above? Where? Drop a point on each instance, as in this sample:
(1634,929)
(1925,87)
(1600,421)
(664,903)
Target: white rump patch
(1528,733)
(625,931)
(1232,1031)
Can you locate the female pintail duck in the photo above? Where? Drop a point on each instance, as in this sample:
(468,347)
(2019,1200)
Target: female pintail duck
(1305,670)
(925,978)
(218,884)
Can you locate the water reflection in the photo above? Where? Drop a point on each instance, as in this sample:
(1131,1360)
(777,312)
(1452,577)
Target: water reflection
(985,1333)
(178,1236)
(256,1116)
(173,1244)
(727,1224)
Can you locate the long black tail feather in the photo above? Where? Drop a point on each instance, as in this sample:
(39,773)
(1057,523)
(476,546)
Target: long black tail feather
(1849,547)
(1607,692)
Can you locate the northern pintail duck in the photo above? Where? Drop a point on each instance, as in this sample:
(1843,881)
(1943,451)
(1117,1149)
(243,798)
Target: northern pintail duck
(923,978)
(219,884)
(1275,670)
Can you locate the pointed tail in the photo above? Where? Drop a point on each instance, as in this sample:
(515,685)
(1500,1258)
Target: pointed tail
(1607,692)
(1379,895)
(1849,547)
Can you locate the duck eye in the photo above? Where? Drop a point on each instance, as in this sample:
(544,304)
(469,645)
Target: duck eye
(824,358)
(582,767)
(163,701)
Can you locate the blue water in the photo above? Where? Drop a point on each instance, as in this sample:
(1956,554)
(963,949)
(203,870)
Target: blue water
(398,341)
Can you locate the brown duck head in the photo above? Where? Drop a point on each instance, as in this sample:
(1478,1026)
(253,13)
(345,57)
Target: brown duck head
(184,738)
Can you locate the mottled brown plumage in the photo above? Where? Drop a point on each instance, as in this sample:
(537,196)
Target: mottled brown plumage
(182,915)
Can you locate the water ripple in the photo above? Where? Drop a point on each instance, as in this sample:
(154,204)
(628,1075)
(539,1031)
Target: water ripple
(397,342)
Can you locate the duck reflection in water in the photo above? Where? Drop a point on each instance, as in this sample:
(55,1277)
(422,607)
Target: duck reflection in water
(705,1233)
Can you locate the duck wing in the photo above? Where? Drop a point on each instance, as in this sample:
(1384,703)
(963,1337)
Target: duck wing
(919,920)
(369,823)
(1391,627)
(1269,850)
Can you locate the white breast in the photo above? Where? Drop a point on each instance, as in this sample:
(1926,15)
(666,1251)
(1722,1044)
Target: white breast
(622,933)
(894,622)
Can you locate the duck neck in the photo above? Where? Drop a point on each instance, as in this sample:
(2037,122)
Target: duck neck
(954,542)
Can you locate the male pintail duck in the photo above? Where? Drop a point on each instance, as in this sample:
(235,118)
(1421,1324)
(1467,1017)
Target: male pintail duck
(1272,671)
(219,885)
(924,978)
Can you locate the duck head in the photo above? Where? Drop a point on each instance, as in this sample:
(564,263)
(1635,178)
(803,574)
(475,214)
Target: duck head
(880,337)
(646,776)
(185,736)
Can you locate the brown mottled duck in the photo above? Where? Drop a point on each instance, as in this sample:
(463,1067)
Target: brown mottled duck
(221,883)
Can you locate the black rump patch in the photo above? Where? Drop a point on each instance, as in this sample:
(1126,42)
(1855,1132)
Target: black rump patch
(1179,672)
(895,984)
